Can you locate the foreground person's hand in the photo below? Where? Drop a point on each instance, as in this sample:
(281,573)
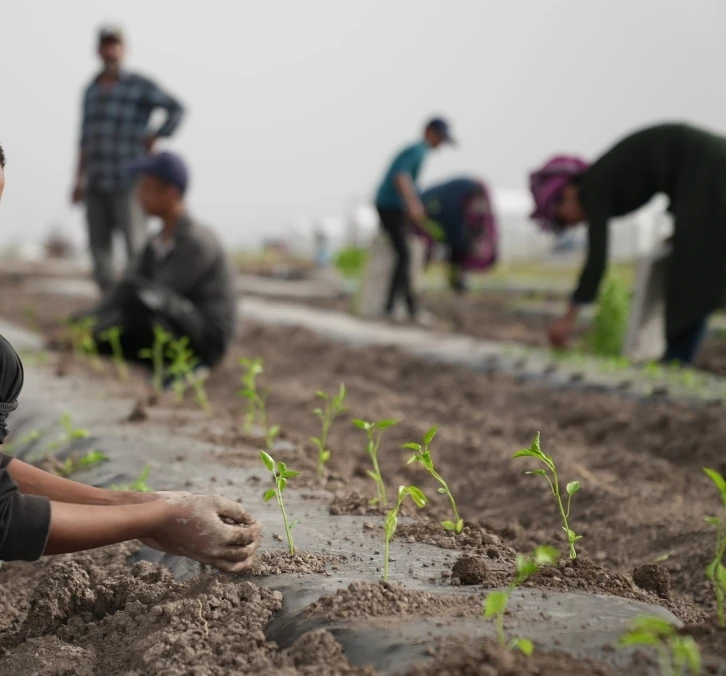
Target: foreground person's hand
(560,331)
(209,529)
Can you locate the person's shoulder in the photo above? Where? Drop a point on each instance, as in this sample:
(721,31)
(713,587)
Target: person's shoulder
(204,235)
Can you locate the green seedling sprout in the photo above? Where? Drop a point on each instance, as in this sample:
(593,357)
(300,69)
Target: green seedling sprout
(83,342)
(181,369)
(112,336)
(25,440)
(677,655)
(496,602)
(422,456)
(139,486)
(280,475)
(374,432)
(75,464)
(391,523)
(155,354)
(610,322)
(333,407)
(257,399)
(534,451)
(716,571)
(70,433)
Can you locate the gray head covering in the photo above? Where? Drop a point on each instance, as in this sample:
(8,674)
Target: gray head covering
(11,383)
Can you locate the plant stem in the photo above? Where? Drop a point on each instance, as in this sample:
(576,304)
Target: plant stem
(448,493)
(385,558)
(556,483)
(288,532)
(379,482)
(500,629)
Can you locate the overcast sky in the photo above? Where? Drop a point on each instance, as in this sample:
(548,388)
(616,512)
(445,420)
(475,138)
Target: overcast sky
(294,108)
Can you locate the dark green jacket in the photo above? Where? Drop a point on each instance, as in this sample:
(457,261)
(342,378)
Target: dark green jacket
(689,166)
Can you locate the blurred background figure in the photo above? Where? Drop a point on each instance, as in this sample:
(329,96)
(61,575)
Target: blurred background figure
(183,280)
(459,215)
(685,163)
(117,106)
(322,248)
(399,207)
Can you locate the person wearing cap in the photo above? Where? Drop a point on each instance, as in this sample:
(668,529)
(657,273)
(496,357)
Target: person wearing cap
(117,107)
(43,514)
(399,206)
(685,163)
(182,281)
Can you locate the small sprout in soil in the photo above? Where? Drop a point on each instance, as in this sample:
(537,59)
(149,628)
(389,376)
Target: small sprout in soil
(25,440)
(676,653)
(374,432)
(280,474)
(83,342)
(256,412)
(422,455)
(181,368)
(139,486)
(716,571)
(333,407)
(496,602)
(70,433)
(112,336)
(76,464)
(155,354)
(534,451)
(271,435)
(610,322)
(419,500)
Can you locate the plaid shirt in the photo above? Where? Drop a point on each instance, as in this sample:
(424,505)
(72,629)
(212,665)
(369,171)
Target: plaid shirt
(115,126)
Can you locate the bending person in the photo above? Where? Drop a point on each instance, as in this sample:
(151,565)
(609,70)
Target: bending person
(183,280)
(689,166)
(399,205)
(459,215)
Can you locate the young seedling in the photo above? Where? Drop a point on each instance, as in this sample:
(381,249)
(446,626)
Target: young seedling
(181,369)
(83,342)
(280,475)
(676,653)
(333,407)
(251,369)
(140,485)
(112,336)
(422,456)
(76,464)
(70,433)
(716,571)
(374,432)
(610,323)
(496,602)
(25,440)
(534,451)
(155,354)
(419,500)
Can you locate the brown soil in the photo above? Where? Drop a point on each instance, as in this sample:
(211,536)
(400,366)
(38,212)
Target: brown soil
(355,504)
(277,563)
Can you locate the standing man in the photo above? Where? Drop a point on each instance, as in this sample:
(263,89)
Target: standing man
(399,205)
(117,105)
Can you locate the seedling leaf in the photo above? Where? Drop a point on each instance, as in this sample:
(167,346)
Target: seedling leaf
(385,424)
(412,447)
(269,494)
(537,471)
(361,424)
(448,525)
(573,487)
(441,491)
(496,603)
(717,479)
(524,645)
(429,436)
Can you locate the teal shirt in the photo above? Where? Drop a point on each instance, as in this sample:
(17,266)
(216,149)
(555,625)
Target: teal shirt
(408,161)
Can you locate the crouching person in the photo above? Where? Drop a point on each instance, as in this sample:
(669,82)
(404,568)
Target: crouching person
(182,281)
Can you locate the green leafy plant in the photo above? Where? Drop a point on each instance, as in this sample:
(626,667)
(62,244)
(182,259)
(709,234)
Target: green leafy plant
(140,485)
(155,354)
(496,602)
(70,433)
(76,464)
(716,571)
(677,655)
(83,341)
(112,336)
(256,412)
(280,475)
(332,407)
(391,523)
(374,432)
(534,451)
(181,368)
(271,435)
(422,456)
(610,322)
(351,262)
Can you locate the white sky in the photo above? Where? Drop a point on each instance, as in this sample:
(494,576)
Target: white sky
(294,108)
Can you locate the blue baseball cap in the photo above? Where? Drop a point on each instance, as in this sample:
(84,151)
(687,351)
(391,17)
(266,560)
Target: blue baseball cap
(442,127)
(165,166)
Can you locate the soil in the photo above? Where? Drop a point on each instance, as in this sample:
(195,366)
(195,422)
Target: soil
(642,500)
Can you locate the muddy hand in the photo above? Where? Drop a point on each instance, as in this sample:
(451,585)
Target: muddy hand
(209,529)
(161,495)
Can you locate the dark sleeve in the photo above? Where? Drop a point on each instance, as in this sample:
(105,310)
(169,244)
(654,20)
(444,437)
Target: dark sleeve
(597,253)
(24,520)
(193,260)
(158,98)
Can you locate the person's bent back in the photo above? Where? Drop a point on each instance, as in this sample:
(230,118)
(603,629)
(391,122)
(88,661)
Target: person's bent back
(183,280)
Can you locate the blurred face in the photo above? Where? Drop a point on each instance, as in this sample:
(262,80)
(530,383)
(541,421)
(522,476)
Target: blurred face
(111,53)
(570,211)
(156,198)
(433,138)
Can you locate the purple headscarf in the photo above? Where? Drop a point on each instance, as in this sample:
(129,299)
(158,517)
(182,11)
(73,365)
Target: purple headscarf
(547,184)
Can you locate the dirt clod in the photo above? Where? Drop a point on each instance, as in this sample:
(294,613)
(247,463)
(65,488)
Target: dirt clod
(653,578)
(138,413)
(470,570)
(278,563)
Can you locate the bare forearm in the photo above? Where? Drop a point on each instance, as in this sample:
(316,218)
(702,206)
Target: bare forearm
(81,167)
(34,481)
(76,528)
(407,191)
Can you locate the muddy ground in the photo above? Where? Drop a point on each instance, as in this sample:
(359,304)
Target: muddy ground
(642,501)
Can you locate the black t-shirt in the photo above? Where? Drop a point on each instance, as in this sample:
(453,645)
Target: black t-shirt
(24,520)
